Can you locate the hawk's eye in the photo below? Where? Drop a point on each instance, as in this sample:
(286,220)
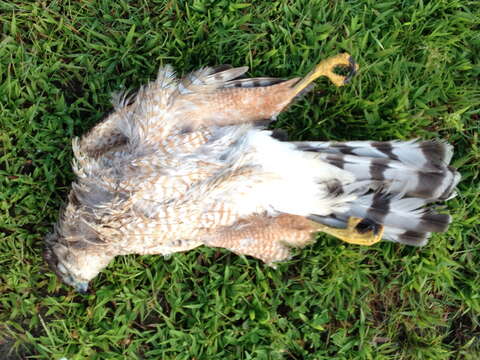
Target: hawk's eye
(62,269)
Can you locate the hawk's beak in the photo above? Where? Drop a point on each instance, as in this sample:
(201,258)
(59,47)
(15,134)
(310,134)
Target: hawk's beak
(81,287)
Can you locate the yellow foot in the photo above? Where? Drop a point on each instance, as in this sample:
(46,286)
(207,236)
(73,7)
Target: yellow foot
(327,68)
(358,231)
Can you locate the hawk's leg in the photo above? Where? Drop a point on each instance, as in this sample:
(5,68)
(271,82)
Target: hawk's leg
(358,231)
(266,238)
(270,238)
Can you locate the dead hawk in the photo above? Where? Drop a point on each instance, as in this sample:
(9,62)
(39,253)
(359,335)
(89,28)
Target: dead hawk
(185,163)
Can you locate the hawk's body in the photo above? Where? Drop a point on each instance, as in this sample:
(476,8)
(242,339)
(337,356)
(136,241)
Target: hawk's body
(185,165)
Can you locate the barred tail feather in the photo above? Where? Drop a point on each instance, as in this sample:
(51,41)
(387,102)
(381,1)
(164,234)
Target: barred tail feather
(400,181)
(428,182)
(429,153)
(406,237)
(405,213)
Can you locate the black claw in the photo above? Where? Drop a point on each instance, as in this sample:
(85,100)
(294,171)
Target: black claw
(353,70)
(367,225)
(280,134)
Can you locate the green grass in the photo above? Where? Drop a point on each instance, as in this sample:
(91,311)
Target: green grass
(61,60)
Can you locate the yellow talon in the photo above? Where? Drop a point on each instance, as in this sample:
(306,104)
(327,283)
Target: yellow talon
(355,233)
(326,68)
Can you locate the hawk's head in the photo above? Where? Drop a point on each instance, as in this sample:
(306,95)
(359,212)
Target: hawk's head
(71,256)
(64,265)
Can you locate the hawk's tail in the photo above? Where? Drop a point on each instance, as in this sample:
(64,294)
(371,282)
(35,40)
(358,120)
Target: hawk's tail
(398,184)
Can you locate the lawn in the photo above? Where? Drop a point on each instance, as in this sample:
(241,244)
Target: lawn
(420,68)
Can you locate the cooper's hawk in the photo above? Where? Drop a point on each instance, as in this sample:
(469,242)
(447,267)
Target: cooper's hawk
(185,163)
